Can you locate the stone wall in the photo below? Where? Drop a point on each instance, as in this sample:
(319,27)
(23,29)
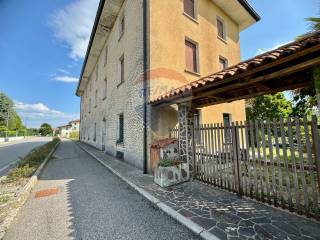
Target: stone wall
(125,98)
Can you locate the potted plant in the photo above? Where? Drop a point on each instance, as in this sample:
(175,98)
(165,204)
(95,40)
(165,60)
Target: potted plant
(170,172)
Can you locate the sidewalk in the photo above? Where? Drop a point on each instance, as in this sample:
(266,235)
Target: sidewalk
(210,212)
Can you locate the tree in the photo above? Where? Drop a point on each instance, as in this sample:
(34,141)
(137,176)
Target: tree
(6,109)
(305,99)
(315,23)
(45,129)
(268,107)
(9,119)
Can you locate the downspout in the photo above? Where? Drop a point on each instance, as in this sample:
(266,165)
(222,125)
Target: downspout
(145,79)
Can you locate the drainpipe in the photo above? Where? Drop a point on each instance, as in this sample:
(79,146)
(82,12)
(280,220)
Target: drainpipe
(145,79)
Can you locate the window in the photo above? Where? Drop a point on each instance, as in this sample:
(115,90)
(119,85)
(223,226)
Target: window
(97,72)
(223,63)
(221,29)
(120,129)
(227,129)
(95,132)
(105,89)
(96,99)
(191,56)
(90,105)
(121,27)
(121,69)
(106,56)
(189,8)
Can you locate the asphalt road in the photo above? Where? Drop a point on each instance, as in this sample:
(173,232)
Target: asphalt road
(89,202)
(10,152)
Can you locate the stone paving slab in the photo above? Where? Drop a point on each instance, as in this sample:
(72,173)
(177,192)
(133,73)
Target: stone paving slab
(211,212)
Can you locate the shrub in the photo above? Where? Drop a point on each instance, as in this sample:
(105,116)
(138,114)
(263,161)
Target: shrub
(4,199)
(28,165)
(21,172)
(74,135)
(169,163)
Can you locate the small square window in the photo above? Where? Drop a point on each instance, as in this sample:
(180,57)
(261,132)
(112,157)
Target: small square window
(189,8)
(221,29)
(191,56)
(223,63)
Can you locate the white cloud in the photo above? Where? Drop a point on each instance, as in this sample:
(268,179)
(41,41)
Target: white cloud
(35,114)
(63,71)
(65,79)
(73,25)
(263,50)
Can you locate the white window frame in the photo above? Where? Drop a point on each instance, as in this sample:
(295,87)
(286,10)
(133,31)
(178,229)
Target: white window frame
(224,59)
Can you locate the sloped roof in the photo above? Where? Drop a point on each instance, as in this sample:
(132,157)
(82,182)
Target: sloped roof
(246,66)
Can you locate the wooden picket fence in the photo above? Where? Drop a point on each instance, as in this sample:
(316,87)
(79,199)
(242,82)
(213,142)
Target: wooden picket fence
(276,161)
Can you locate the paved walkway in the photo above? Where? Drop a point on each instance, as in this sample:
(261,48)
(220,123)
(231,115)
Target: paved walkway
(216,213)
(77,198)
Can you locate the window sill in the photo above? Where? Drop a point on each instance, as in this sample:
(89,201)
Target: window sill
(193,73)
(195,20)
(222,39)
(120,84)
(120,142)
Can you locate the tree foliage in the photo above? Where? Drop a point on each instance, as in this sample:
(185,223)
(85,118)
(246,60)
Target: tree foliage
(268,107)
(45,129)
(315,23)
(7,113)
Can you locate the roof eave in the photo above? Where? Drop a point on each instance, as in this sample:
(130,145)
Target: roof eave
(95,26)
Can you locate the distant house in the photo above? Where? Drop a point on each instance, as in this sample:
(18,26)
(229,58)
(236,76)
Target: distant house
(140,50)
(66,130)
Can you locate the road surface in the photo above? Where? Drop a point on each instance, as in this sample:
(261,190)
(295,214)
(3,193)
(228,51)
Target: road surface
(77,198)
(10,152)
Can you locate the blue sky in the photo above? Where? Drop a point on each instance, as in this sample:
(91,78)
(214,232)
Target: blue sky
(42,46)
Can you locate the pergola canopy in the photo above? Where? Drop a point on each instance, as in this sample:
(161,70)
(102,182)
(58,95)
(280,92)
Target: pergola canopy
(285,68)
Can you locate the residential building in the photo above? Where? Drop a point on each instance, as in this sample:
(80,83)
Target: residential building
(141,49)
(72,127)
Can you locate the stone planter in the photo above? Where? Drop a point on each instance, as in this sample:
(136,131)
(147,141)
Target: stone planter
(168,176)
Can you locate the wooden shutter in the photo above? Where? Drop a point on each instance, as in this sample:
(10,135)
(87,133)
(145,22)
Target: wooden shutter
(191,56)
(220,26)
(189,7)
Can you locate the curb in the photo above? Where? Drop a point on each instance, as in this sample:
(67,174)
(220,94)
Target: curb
(195,228)
(24,194)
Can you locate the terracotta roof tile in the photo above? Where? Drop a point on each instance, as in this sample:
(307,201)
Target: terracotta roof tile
(273,55)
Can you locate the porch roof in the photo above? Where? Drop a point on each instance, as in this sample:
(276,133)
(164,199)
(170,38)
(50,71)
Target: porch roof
(285,68)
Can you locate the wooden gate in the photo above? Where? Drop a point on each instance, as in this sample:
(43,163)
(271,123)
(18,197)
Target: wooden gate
(276,161)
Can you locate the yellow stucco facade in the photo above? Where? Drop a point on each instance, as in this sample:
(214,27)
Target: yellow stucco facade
(169,28)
